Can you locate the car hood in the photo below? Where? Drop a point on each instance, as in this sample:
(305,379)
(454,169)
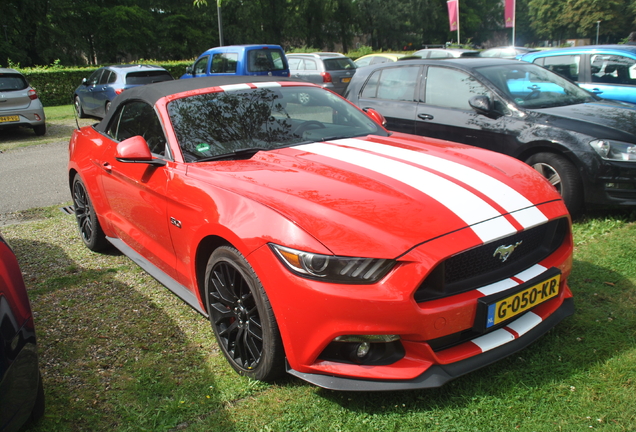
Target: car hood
(381,196)
(601,119)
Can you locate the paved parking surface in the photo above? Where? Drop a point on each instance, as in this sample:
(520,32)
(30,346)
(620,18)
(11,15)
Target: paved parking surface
(33,177)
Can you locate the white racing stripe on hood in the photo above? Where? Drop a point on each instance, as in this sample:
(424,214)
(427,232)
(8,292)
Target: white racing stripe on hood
(522,209)
(489,223)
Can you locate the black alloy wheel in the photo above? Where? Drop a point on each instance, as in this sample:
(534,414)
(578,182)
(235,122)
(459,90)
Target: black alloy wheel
(87,222)
(242,317)
(561,174)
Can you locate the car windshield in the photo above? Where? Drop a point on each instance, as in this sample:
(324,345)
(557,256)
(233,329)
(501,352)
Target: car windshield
(220,123)
(11,82)
(532,86)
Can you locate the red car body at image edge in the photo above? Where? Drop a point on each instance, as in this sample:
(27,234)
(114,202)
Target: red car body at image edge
(317,242)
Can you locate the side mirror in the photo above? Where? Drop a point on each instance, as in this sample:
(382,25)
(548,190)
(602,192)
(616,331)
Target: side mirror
(189,70)
(135,150)
(84,81)
(481,104)
(376,116)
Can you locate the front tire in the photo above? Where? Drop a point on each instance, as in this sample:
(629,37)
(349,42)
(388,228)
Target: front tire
(241,316)
(562,174)
(89,228)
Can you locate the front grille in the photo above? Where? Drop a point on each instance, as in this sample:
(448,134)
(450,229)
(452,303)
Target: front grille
(480,266)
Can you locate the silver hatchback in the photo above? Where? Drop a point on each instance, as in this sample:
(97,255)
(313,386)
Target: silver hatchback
(19,103)
(332,71)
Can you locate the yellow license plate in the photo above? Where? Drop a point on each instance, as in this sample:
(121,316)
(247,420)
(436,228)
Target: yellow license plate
(346,79)
(521,301)
(9,119)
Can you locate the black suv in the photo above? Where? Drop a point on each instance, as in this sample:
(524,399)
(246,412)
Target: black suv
(585,146)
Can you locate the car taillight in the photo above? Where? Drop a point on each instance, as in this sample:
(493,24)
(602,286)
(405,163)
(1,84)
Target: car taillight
(119,90)
(326,77)
(32,94)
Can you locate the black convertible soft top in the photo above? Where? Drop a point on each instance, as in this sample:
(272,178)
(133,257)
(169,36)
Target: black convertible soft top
(151,93)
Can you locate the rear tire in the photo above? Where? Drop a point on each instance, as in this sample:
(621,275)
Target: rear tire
(89,228)
(241,316)
(38,408)
(78,108)
(562,174)
(39,129)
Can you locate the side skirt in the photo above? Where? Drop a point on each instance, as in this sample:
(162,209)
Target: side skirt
(182,292)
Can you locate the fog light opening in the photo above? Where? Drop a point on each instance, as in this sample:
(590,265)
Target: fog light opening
(37,117)
(617,185)
(363,350)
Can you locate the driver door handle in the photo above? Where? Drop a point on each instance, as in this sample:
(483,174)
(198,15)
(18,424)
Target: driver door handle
(425,116)
(107,167)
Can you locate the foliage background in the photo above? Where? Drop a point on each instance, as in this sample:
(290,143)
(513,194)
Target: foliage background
(82,32)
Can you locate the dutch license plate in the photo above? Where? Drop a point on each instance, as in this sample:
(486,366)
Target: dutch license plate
(346,80)
(9,119)
(521,301)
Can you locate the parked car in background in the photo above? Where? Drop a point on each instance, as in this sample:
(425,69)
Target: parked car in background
(609,71)
(94,96)
(255,60)
(506,52)
(332,72)
(441,53)
(318,243)
(585,146)
(21,389)
(19,103)
(377,58)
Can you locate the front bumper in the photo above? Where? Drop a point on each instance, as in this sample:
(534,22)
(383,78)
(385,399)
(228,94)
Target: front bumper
(438,375)
(613,186)
(435,334)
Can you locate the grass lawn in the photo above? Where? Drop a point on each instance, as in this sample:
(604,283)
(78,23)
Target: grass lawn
(60,122)
(120,353)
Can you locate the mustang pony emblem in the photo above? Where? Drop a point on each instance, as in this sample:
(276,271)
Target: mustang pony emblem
(505,251)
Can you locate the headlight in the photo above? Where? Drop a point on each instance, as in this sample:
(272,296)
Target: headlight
(331,268)
(614,150)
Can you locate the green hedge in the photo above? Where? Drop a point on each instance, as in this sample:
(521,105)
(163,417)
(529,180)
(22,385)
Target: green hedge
(55,85)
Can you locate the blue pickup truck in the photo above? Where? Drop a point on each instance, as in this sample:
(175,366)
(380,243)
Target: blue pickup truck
(266,60)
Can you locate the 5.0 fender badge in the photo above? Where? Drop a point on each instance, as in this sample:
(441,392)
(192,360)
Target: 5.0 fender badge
(504,252)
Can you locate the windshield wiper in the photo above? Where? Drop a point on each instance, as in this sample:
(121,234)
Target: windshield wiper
(244,153)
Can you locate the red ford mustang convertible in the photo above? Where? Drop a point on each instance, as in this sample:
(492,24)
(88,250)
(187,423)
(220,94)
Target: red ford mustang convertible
(317,242)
